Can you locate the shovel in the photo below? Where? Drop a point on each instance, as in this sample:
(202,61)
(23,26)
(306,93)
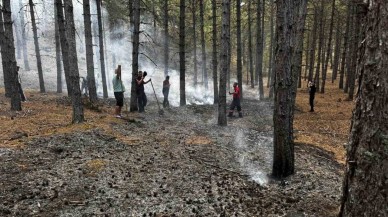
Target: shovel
(161,112)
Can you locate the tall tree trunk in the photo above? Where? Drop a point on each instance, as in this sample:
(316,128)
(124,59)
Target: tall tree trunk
(58,52)
(166,37)
(6,72)
(101,46)
(307,51)
(271,46)
(355,43)
(222,121)
(228,74)
(289,12)
(337,51)
(215,57)
(182,60)
(24,38)
(259,54)
(37,49)
(78,111)
(365,184)
(320,45)
(135,52)
(64,44)
(8,57)
(349,59)
(313,44)
(239,59)
(250,54)
(195,42)
(329,46)
(18,40)
(203,43)
(89,52)
(345,47)
(300,10)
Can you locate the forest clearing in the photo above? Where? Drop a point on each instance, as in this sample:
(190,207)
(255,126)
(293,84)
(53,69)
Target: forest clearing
(194,108)
(170,165)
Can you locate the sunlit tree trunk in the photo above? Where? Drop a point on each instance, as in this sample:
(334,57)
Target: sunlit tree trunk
(89,52)
(24,38)
(8,56)
(222,121)
(37,49)
(101,46)
(365,184)
(182,60)
(215,57)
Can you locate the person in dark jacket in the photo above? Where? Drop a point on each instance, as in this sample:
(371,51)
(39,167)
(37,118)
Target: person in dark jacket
(166,90)
(312,90)
(141,96)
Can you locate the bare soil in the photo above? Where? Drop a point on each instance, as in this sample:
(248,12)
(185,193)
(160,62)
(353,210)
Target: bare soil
(178,164)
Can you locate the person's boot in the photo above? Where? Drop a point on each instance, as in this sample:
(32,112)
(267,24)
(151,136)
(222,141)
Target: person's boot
(240,115)
(230,114)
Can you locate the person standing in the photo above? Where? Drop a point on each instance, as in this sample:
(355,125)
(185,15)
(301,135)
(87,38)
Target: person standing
(141,96)
(118,89)
(236,101)
(312,90)
(166,90)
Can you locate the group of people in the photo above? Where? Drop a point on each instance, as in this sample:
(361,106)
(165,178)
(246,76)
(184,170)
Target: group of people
(119,89)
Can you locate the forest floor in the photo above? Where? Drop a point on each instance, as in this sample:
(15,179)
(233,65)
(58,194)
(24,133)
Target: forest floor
(178,164)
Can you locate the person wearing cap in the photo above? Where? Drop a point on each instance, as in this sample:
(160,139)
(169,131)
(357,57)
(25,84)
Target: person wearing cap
(165,91)
(236,101)
(118,89)
(141,96)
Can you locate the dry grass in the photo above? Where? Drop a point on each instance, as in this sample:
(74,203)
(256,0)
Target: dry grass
(327,127)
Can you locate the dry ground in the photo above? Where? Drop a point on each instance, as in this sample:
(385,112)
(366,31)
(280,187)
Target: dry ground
(180,164)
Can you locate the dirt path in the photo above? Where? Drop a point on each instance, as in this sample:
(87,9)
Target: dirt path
(179,164)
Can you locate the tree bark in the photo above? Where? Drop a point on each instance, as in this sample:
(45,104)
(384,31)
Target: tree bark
(8,57)
(337,51)
(6,73)
(289,14)
(222,121)
(64,44)
(215,57)
(166,38)
(24,38)
(203,44)
(349,63)
(37,49)
(250,54)
(101,46)
(135,52)
(345,48)
(89,52)
(58,52)
(365,184)
(313,44)
(195,42)
(355,42)
(239,59)
(320,45)
(78,111)
(182,60)
(271,75)
(329,46)
(259,54)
